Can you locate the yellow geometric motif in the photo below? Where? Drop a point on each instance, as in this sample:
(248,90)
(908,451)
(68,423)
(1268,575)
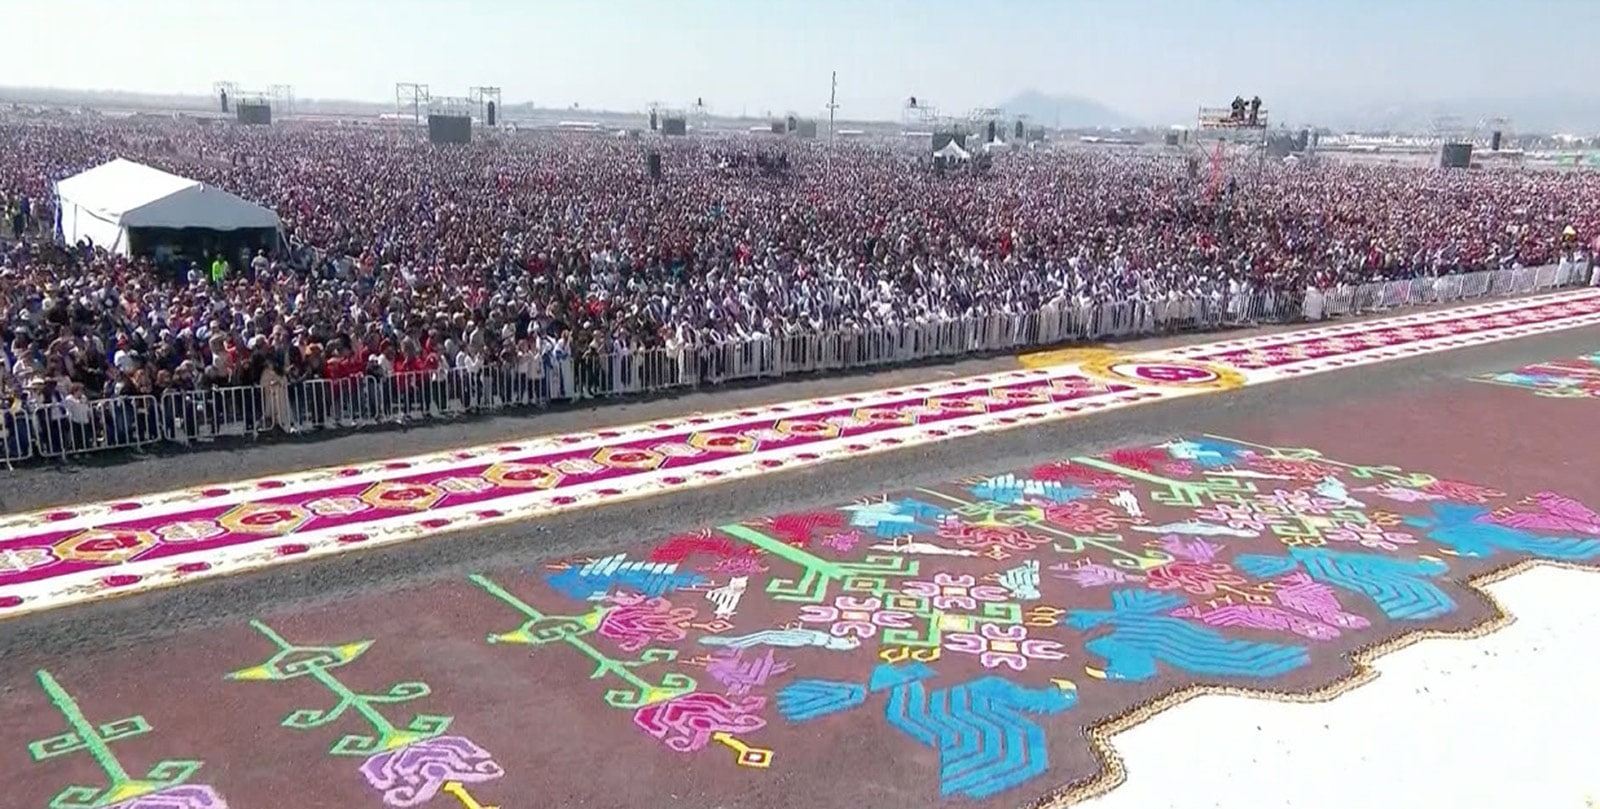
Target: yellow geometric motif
(106,547)
(522,476)
(413,496)
(886,415)
(264,518)
(807,429)
(1016,396)
(643,460)
(722,442)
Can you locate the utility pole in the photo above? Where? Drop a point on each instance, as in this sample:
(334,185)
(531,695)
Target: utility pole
(833,105)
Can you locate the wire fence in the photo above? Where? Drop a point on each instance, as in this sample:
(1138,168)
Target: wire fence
(68,427)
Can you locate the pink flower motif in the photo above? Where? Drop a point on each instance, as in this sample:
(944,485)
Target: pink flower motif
(1297,469)
(635,621)
(996,645)
(1198,578)
(1180,469)
(956,592)
(1194,550)
(1462,492)
(1093,574)
(860,617)
(738,566)
(842,542)
(1083,518)
(1369,535)
(1004,537)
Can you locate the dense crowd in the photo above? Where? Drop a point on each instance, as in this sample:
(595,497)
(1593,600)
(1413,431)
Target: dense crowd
(400,255)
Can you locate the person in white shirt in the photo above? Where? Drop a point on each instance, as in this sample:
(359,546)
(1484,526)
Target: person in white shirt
(79,419)
(467,369)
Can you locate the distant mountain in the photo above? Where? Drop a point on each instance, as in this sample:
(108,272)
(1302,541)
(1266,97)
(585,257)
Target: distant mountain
(1065,111)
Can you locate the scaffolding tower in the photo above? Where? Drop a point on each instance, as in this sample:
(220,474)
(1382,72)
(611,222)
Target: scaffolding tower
(919,115)
(282,96)
(230,88)
(481,98)
(413,98)
(702,114)
(1451,129)
(1487,126)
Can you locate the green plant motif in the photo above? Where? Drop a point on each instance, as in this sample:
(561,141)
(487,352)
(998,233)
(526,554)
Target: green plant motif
(96,740)
(1181,493)
(870,575)
(540,630)
(318,663)
(1032,518)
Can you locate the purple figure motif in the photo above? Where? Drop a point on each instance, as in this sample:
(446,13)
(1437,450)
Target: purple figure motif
(412,775)
(183,796)
(739,675)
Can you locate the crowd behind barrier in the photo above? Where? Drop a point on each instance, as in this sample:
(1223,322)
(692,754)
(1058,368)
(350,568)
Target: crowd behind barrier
(76,426)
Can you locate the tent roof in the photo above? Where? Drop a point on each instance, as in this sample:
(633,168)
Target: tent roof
(952,149)
(138,196)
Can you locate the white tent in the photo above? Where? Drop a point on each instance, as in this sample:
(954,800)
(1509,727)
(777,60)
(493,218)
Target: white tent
(105,202)
(953,151)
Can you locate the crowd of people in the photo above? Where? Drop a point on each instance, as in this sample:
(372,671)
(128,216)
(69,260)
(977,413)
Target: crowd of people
(399,255)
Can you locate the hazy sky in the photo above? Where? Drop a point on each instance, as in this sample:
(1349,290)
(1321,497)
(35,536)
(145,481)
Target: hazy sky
(1155,59)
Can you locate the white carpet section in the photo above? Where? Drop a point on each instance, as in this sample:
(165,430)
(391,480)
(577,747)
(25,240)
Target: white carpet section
(1508,721)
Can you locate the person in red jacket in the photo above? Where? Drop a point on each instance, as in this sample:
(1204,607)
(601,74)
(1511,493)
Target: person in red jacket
(431,368)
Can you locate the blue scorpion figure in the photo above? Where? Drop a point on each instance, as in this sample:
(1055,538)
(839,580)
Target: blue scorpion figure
(1463,530)
(1399,587)
(986,741)
(1143,634)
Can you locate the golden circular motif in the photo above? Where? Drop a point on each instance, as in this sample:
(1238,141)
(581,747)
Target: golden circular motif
(1066,356)
(1166,373)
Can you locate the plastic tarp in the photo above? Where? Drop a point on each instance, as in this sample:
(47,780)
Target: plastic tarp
(952,150)
(103,203)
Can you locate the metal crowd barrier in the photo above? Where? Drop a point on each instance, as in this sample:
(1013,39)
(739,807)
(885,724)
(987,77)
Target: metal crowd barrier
(75,427)
(61,430)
